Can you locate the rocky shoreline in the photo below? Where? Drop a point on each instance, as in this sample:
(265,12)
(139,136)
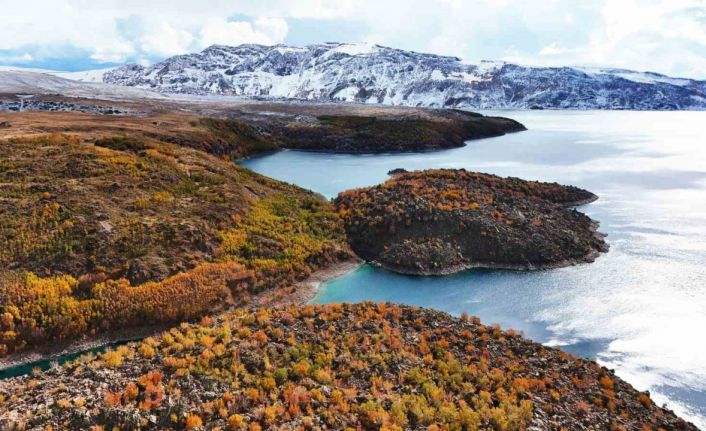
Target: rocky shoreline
(72,347)
(589,258)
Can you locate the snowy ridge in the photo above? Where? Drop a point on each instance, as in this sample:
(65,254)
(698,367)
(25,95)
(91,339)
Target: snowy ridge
(23,81)
(85,76)
(95,75)
(368,73)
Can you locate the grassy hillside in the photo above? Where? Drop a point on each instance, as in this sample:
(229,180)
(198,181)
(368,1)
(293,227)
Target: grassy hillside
(103,219)
(98,233)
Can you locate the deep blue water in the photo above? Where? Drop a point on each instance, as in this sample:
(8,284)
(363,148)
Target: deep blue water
(640,309)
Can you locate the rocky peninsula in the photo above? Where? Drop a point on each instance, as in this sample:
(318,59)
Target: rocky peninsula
(242,128)
(365,366)
(438,222)
(385,134)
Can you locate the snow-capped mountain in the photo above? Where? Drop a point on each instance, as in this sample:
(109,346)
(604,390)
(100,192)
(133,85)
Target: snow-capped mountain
(376,74)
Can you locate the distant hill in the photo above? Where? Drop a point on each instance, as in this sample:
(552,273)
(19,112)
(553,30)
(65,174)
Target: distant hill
(72,84)
(95,75)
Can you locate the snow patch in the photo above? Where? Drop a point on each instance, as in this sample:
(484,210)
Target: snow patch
(84,76)
(489,66)
(639,77)
(437,75)
(355,48)
(347,94)
(283,49)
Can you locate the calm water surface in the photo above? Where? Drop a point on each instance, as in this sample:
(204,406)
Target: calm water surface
(46,363)
(640,309)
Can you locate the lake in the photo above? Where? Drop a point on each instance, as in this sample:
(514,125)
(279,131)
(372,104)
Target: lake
(639,309)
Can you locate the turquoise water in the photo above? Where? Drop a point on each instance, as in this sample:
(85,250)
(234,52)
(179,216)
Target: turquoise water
(640,309)
(45,364)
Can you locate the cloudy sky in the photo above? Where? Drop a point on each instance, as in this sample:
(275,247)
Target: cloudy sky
(667,36)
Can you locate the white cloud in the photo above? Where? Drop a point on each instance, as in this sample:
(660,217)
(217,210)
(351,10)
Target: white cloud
(112,52)
(165,40)
(265,31)
(555,48)
(667,36)
(662,36)
(22,58)
(158,28)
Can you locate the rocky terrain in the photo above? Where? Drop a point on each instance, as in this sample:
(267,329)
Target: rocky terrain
(12,103)
(376,74)
(365,366)
(443,221)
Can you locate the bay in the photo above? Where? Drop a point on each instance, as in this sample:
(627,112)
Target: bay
(639,309)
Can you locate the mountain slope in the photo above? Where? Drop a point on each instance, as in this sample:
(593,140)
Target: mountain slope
(376,74)
(95,75)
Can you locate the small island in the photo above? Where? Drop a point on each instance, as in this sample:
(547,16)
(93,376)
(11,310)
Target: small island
(437,222)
